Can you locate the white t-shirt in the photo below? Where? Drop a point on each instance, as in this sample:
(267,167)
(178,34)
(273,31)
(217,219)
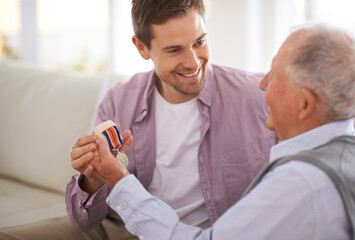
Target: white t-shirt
(176,178)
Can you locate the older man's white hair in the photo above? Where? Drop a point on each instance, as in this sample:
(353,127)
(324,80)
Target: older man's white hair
(325,63)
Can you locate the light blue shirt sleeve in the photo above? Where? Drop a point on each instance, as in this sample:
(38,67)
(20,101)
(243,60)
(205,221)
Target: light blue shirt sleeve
(292,202)
(148,217)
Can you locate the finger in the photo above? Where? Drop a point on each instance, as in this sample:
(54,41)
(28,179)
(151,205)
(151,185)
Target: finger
(81,151)
(127,140)
(118,125)
(126,134)
(95,160)
(85,140)
(81,163)
(88,170)
(103,149)
(126,144)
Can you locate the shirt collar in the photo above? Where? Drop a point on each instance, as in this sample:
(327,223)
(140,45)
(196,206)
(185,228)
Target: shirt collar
(312,138)
(205,95)
(146,98)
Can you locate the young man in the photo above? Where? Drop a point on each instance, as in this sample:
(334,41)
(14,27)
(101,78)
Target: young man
(199,134)
(307,191)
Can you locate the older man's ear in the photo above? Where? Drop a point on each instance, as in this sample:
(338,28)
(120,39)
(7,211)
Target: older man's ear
(308,104)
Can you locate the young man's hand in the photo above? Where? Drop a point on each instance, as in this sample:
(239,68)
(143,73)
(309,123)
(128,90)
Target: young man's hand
(83,152)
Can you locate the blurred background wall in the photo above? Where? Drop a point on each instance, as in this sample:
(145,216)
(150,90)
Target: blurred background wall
(94,36)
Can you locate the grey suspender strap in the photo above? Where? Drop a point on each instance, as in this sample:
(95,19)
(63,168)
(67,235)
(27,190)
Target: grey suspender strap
(339,181)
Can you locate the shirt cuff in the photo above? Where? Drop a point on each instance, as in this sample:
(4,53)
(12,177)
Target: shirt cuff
(127,194)
(83,196)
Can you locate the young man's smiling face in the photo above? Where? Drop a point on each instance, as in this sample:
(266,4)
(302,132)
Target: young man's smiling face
(180,54)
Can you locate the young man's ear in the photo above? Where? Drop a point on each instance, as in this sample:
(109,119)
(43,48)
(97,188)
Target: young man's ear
(308,104)
(141,47)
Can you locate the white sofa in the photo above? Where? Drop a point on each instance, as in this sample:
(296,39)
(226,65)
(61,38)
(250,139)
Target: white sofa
(42,115)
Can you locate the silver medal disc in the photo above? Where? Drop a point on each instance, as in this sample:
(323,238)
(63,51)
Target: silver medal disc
(123,158)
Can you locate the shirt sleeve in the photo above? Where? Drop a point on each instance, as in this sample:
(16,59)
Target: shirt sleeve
(84,213)
(148,217)
(283,206)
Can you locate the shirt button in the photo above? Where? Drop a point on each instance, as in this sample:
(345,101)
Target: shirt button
(118,208)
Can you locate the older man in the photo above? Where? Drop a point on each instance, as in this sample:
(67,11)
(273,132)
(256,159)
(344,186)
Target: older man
(310,91)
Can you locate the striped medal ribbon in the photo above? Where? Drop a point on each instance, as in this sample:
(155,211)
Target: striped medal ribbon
(113,137)
(109,131)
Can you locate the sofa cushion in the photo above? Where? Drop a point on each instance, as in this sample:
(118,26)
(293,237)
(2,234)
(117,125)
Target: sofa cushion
(22,204)
(42,115)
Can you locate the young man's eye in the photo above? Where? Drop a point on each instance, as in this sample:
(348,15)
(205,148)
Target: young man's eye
(175,50)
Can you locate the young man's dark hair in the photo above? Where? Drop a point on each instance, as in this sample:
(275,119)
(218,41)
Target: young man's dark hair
(147,12)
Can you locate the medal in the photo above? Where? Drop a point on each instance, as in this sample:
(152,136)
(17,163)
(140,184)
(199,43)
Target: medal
(123,158)
(108,130)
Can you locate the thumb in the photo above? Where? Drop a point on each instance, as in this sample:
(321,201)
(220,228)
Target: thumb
(103,148)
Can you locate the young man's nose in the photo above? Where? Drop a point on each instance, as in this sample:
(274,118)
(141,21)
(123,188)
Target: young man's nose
(191,60)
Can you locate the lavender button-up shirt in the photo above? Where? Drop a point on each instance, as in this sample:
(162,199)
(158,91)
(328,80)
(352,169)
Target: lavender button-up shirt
(234,144)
